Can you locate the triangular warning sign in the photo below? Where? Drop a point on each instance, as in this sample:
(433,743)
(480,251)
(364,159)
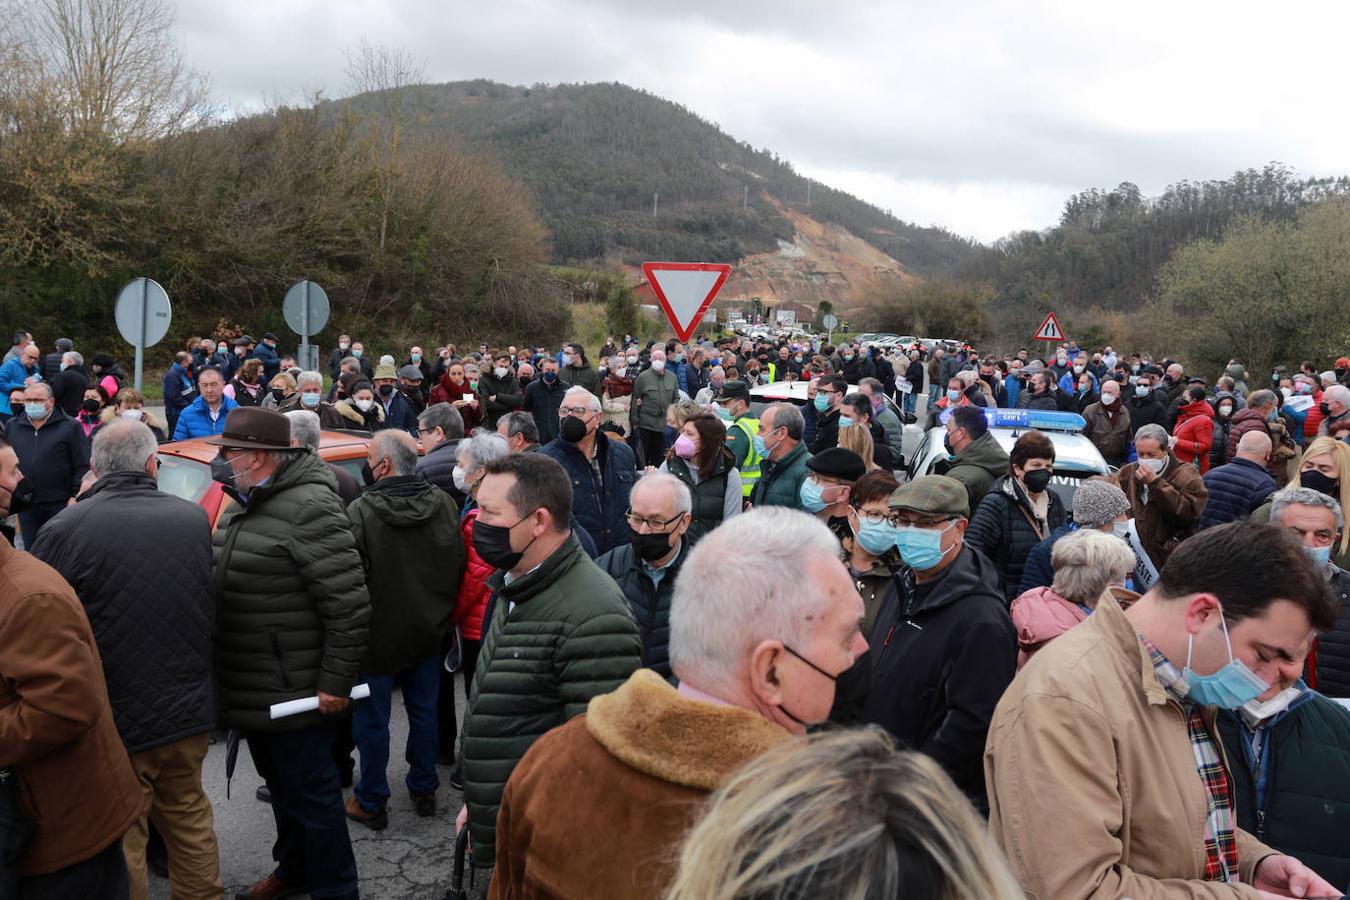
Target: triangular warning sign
(1050,330)
(685,291)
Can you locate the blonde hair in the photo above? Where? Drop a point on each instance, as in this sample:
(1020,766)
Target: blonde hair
(1340,454)
(843,815)
(1086,562)
(858,439)
(682,411)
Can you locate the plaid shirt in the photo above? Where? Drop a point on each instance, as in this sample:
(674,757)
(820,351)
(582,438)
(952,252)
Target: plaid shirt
(1221,856)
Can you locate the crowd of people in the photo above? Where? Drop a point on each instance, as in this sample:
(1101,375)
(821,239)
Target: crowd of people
(709,648)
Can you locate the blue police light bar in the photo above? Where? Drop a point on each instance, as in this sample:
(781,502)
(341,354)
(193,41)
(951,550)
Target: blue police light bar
(1022,419)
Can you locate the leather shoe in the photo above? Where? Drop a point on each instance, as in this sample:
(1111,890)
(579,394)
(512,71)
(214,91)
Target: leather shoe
(375,821)
(269,888)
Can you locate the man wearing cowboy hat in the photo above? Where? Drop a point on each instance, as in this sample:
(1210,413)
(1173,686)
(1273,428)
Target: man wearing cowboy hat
(293,612)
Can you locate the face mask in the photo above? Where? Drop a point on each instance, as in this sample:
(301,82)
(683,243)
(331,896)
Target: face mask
(500,371)
(364,405)
(848,357)
(415,357)
(723,413)
(1320,483)
(457,476)
(567,359)
(953,396)
(685,448)
(222,349)
(1225,409)
(845,421)
(132,414)
(221,471)
(367,474)
(278,393)
(22,498)
(386,390)
(796,359)
(679,357)
(1254,712)
(658,365)
(876,539)
(493,543)
(1232,686)
(344,347)
(1108,399)
(90,406)
(1078,369)
(920,548)
(310,399)
(1121,529)
(63,366)
(1320,555)
(473,385)
(1037,480)
(1142,390)
(821,403)
(649,547)
(1084,388)
(573,429)
(1272,415)
(36,412)
(812,496)
(1303,388)
(619,372)
(356,354)
(1153,465)
(632,360)
(1324,408)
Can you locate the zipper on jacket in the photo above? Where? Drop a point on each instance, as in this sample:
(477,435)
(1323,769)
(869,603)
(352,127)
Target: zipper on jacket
(276,651)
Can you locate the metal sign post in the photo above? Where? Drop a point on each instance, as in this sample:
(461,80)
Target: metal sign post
(143,314)
(306,309)
(830,321)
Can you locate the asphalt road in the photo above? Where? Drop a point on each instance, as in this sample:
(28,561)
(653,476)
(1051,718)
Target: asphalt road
(412,858)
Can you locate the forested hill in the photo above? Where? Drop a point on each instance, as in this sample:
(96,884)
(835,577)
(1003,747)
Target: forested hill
(594,155)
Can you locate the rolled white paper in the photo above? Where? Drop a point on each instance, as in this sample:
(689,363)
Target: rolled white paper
(308,704)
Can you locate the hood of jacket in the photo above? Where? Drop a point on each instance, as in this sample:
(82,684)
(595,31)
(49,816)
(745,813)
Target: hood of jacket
(347,409)
(1040,614)
(1249,414)
(985,453)
(1199,408)
(305,468)
(399,502)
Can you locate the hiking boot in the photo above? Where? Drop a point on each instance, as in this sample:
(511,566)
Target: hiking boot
(375,821)
(425,804)
(269,888)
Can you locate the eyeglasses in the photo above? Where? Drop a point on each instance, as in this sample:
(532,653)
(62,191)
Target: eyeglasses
(901,520)
(654,524)
(874,518)
(578,411)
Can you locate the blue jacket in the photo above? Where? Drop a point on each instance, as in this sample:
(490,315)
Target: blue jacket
(1038,572)
(602,514)
(13,375)
(1236,489)
(1013,385)
(195,419)
(176,381)
(400,414)
(271,362)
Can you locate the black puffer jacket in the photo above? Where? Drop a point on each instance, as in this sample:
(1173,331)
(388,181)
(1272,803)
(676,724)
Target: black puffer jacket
(292,610)
(438,467)
(649,602)
(53,458)
(1002,529)
(140,561)
(1333,648)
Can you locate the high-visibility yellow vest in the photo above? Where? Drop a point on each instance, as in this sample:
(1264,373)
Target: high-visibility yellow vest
(749,470)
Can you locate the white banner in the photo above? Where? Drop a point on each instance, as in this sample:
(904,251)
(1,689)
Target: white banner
(1145,573)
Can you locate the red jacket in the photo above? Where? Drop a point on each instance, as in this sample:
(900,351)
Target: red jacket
(1314,418)
(473,589)
(1194,433)
(448,391)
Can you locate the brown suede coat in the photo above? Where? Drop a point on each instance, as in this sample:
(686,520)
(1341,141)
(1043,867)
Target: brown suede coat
(56,725)
(598,807)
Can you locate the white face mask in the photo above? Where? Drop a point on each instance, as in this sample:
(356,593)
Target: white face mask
(500,371)
(1254,712)
(1108,399)
(1153,465)
(132,414)
(632,360)
(1121,529)
(457,475)
(364,405)
(620,370)
(658,365)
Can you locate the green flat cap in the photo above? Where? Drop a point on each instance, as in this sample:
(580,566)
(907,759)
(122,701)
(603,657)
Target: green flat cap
(932,495)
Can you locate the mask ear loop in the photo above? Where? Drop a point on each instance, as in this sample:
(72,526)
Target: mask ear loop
(1223,622)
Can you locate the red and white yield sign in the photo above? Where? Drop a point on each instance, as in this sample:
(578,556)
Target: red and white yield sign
(685,290)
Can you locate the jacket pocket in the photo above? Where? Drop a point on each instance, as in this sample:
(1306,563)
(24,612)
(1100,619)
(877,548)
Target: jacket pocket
(281,665)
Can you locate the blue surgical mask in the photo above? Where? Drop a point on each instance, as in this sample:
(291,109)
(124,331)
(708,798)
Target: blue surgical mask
(920,548)
(416,357)
(1320,555)
(1232,686)
(845,421)
(877,538)
(35,412)
(812,496)
(723,413)
(953,396)
(821,403)
(310,399)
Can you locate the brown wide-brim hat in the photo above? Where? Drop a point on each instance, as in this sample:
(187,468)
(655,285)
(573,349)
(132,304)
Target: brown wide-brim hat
(254,428)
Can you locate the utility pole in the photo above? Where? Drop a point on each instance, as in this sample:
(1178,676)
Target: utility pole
(745,200)
(654,199)
(808,192)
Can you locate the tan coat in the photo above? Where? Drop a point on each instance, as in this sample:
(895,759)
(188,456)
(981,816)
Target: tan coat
(56,725)
(1093,791)
(1111,435)
(598,807)
(1175,501)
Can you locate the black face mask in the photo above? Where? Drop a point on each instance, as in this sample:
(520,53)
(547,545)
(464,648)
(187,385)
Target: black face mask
(386,390)
(91,406)
(367,474)
(573,429)
(23,497)
(1324,408)
(278,393)
(1037,481)
(221,472)
(650,547)
(1321,483)
(493,544)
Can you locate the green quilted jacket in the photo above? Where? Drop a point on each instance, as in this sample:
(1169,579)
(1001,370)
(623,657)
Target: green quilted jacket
(292,610)
(558,637)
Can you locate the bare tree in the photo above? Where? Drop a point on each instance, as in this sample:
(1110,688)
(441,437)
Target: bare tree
(116,65)
(384,74)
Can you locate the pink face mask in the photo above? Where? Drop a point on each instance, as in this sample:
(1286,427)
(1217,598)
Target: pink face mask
(685,448)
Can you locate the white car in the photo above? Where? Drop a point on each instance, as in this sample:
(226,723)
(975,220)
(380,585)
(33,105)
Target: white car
(1076,458)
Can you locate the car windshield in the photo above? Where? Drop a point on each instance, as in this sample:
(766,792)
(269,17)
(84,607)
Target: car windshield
(183,477)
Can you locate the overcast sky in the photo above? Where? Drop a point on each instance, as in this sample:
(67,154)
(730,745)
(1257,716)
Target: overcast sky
(982,118)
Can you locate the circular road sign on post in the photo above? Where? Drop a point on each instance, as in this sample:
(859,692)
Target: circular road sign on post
(306,310)
(831,322)
(143,315)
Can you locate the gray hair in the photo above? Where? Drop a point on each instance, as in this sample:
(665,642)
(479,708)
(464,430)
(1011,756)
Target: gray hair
(787,415)
(122,445)
(45,386)
(592,401)
(349,362)
(872,385)
(399,448)
(684,501)
(1338,392)
(443,416)
(1301,496)
(304,427)
(1152,432)
(521,423)
(480,449)
(1258,399)
(1086,562)
(71,358)
(715,622)
(305,378)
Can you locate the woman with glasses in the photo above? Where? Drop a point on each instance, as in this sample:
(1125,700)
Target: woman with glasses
(1019,510)
(700,459)
(869,552)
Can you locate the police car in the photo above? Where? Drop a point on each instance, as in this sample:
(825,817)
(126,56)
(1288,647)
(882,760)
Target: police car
(1076,458)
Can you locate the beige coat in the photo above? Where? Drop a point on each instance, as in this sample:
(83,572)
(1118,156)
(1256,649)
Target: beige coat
(1092,784)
